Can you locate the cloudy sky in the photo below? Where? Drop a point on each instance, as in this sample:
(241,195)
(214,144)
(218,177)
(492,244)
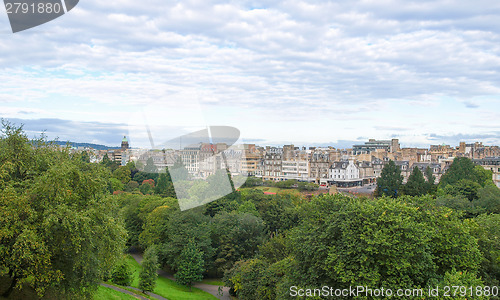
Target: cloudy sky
(302,72)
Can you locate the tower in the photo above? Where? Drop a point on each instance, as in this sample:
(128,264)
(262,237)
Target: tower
(125,144)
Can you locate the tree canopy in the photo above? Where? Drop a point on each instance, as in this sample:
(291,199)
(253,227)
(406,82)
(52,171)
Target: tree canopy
(58,227)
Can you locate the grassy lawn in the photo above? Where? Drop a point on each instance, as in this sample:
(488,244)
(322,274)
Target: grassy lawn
(104,293)
(217,282)
(269,189)
(168,288)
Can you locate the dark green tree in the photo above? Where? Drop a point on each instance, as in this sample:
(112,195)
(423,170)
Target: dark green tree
(150,166)
(178,171)
(463,168)
(164,186)
(488,200)
(390,181)
(464,187)
(416,185)
(235,236)
(148,274)
(431,180)
(190,266)
(85,157)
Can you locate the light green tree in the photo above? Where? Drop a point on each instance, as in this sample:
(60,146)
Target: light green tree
(190,267)
(58,228)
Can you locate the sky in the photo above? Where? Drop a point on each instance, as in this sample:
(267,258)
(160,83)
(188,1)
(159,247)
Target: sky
(313,73)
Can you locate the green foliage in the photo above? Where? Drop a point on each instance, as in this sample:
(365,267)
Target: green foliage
(57,228)
(150,266)
(234,237)
(108,163)
(307,186)
(416,185)
(122,174)
(278,212)
(252,181)
(156,221)
(487,232)
(465,187)
(286,184)
(431,179)
(164,186)
(249,208)
(179,171)
(274,249)
(463,168)
(385,242)
(116,184)
(457,202)
(461,279)
(150,166)
(244,278)
(190,265)
(488,200)
(122,275)
(228,203)
(132,186)
(181,227)
(390,181)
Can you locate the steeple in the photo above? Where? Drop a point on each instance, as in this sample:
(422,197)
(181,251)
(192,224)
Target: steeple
(125,144)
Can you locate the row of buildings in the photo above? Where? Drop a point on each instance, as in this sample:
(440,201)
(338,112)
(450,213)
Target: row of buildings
(356,166)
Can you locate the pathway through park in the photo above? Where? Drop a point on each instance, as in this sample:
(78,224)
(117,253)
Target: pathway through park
(211,289)
(133,294)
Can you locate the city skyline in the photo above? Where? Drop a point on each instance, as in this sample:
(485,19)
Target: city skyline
(295,72)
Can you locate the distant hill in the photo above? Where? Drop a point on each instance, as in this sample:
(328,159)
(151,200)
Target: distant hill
(94,146)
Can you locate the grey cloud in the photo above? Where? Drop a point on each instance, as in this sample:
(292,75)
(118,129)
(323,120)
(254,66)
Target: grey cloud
(291,51)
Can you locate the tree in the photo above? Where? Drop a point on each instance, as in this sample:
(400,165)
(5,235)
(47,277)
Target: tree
(181,227)
(345,241)
(464,187)
(416,185)
(148,274)
(164,186)
(487,232)
(147,186)
(122,274)
(59,231)
(150,166)
(178,171)
(244,278)
(431,180)
(190,267)
(108,163)
(123,174)
(488,200)
(390,181)
(463,168)
(235,236)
